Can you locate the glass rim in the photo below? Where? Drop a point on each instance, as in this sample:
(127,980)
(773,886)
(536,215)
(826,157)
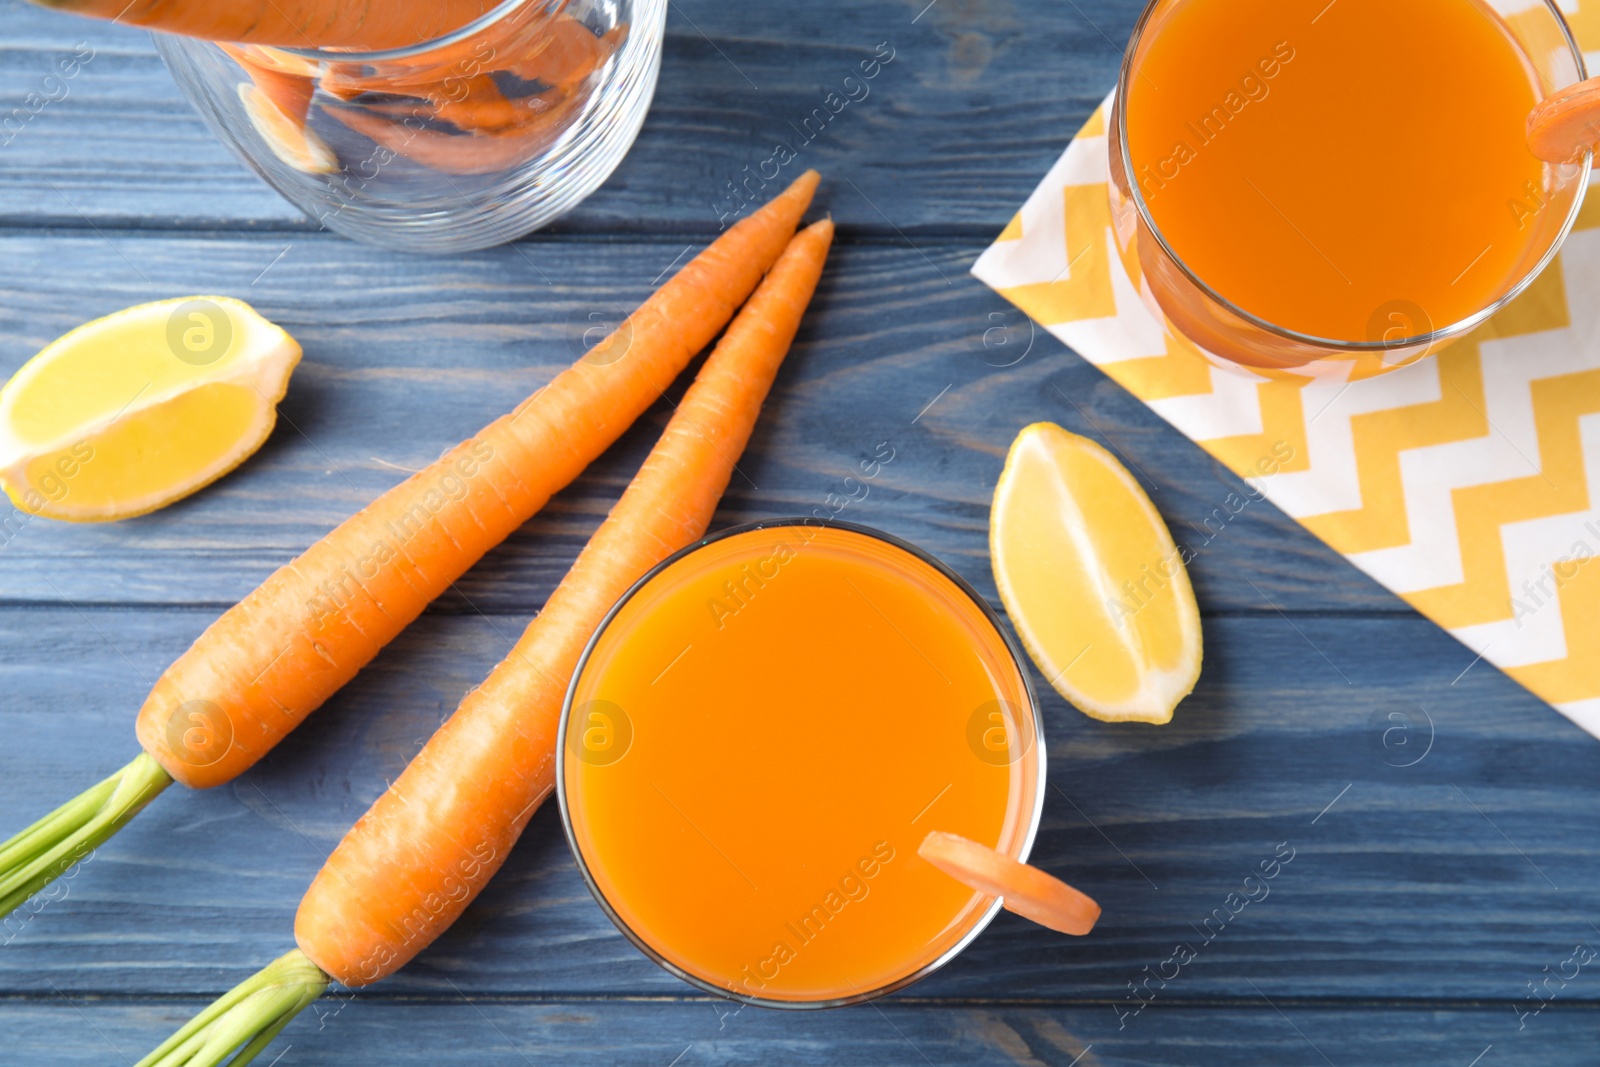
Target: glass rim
(1444,333)
(979,924)
(411,51)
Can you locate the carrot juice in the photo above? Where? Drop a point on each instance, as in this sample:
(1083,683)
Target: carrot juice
(759,738)
(1321,164)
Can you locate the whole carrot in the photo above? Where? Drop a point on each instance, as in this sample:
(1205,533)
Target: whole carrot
(293,23)
(272,659)
(424,850)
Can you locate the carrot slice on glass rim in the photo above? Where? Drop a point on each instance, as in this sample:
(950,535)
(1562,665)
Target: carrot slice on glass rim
(1026,890)
(1566,123)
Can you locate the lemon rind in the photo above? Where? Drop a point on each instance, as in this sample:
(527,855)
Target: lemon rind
(248,444)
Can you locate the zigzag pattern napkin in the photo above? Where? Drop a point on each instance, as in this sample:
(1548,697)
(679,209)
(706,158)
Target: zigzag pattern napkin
(1469,483)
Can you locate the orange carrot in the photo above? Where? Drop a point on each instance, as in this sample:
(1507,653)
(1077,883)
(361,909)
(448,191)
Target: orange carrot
(272,659)
(422,852)
(293,23)
(1025,890)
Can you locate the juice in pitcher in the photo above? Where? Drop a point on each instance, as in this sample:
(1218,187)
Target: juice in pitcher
(759,738)
(1355,171)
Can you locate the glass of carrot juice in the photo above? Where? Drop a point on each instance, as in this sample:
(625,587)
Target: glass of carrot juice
(758,737)
(1306,183)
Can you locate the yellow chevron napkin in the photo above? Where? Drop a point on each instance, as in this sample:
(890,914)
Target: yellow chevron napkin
(1468,483)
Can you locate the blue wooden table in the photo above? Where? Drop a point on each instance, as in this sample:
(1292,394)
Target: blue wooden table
(1443,824)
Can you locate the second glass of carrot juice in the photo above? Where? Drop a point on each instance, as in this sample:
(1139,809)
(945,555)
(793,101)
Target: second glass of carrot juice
(1297,181)
(758,738)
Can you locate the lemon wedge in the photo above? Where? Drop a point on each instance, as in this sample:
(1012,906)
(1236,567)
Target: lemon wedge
(1092,580)
(133,411)
(293,142)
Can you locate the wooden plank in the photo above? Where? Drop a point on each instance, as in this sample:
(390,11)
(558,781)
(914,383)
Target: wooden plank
(1463,875)
(1442,860)
(978,101)
(890,1034)
(407,355)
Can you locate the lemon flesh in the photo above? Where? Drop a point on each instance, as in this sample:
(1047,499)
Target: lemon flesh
(133,411)
(1092,580)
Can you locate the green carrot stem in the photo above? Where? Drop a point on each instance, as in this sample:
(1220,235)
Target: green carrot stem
(244,1020)
(37,856)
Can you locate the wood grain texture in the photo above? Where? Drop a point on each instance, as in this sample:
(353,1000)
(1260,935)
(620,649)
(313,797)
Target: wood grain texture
(405,356)
(487,1033)
(1461,876)
(978,101)
(1424,895)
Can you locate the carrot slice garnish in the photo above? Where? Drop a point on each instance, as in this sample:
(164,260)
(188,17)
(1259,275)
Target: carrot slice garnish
(1566,123)
(1026,890)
